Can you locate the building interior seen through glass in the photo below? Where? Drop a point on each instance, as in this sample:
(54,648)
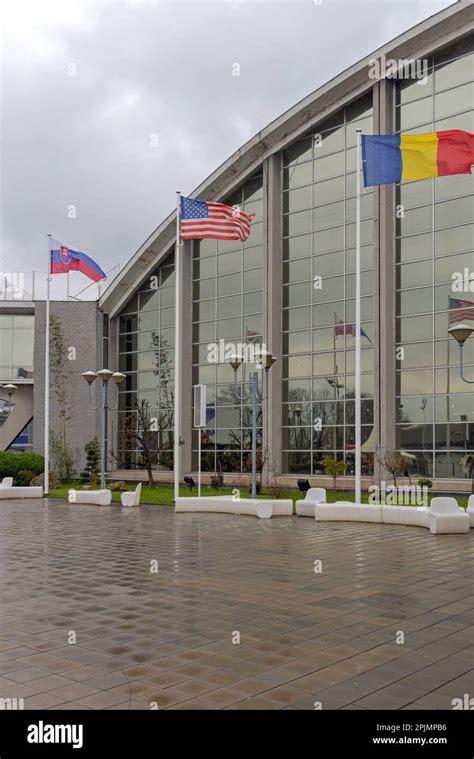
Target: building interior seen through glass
(319,188)
(227,313)
(146,356)
(16,347)
(435,236)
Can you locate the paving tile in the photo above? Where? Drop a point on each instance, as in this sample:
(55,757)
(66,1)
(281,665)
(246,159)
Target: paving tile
(168,639)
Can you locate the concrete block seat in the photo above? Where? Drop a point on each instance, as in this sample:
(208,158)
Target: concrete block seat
(306,507)
(470,509)
(8,490)
(97,497)
(445,516)
(409,515)
(346,511)
(132,498)
(227,504)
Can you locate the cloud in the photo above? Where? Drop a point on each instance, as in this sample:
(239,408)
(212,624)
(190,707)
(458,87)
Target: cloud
(113,106)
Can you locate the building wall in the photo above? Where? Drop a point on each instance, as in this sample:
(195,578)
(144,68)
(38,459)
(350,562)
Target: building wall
(81,328)
(304,198)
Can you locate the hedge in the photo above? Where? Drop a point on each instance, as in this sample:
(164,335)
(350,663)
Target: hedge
(11,464)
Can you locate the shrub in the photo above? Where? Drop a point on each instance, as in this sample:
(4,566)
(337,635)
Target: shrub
(217,481)
(24,477)
(91,469)
(13,463)
(333,468)
(425,482)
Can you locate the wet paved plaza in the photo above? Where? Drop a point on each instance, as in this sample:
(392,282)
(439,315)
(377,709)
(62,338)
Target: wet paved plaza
(106,608)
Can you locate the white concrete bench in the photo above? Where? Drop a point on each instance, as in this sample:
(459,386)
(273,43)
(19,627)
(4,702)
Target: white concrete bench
(447,517)
(306,507)
(346,511)
(21,492)
(414,515)
(444,516)
(97,497)
(470,509)
(263,509)
(133,498)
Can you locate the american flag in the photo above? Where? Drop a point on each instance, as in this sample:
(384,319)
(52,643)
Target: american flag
(460,310)
(200,219)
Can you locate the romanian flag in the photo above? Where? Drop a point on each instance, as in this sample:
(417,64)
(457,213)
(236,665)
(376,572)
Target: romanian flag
(388,158)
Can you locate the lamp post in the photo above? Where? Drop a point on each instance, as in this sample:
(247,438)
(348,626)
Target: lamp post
(105,375)
(265,360)
(10,390)
(461,332)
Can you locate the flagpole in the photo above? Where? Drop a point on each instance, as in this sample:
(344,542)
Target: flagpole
(177,348)
(357,336)
(46,373)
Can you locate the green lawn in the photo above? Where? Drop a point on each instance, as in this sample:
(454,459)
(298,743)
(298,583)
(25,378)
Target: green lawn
(164,494)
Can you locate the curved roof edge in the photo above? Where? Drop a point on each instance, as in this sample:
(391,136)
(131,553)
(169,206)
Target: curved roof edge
(431,34)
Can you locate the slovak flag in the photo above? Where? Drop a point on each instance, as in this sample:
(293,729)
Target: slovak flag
(64,259)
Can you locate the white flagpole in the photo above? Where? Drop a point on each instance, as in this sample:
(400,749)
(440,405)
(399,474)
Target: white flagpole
(357,337)
(177,348)
(46,374)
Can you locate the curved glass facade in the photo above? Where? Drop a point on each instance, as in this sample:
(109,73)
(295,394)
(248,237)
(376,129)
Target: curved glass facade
(434,242)
(226,314)
(146,356)
(427,403)
(318,203)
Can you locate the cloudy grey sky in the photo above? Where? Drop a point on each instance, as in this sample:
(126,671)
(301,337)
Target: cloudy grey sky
(86,85)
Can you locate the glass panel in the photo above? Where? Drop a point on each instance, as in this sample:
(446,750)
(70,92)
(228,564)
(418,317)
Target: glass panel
(296,200)
(329,190)
(297,176)
(227,285)
(299,151)
(454,101)
(296,271)
(331,166)
(454,212)
(297,223)
(297,247)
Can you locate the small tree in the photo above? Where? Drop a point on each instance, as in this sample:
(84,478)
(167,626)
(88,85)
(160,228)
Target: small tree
(62,460)
(143,434)
(91,470)
(333,468)
(395,463)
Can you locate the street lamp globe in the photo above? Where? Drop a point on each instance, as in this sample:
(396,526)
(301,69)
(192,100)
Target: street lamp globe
(89,377)
(118,377)
(235,361)
(266,359)
(10,389)
(105,374)
(461,332)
